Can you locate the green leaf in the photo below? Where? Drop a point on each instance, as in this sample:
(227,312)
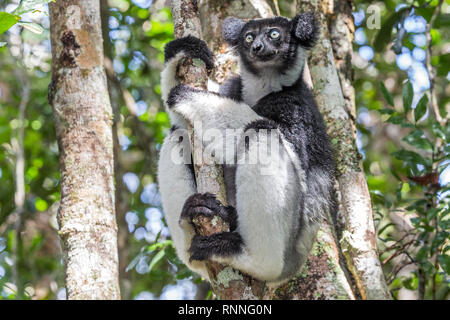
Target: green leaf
(439,239)
(411,157)
(156,259)
(417,139)
(134,262)
(33,27)
(444,62)
(437,130)
(416,222)
(408,94)
(443,20)
(386,111)
(431,214)
(385,227)
(159,245)
(396,119)
(29,5)
(411,283)
(421,108)
(386,94)
(428,267)
(422,254)
(444,261)
(7,20)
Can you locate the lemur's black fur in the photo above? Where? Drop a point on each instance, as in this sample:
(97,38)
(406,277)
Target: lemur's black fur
(295,112)
(192,47)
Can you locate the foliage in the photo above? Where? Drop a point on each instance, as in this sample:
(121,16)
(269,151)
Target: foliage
(421,197)
(7,20)
(408,168)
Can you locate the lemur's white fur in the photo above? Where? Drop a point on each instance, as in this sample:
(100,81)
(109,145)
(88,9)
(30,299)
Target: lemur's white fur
(269,211)
(254,87)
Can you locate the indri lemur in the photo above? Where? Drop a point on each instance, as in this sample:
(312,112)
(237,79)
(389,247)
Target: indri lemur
(274,213)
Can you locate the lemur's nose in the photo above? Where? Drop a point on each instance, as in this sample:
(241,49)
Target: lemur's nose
(257,47)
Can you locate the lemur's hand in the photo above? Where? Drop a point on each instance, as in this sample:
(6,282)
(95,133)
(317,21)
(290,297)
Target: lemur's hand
(206,204)
(191,47)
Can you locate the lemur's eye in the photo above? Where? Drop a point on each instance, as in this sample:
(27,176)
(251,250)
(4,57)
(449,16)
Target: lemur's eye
(274,34)
(248,38)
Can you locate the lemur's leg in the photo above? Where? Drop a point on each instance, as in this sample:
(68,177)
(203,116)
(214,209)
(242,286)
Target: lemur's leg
(268,200)
(176,184)
(211,109)
(214,114)
(173,52)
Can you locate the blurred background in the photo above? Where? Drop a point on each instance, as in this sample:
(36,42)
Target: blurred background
(403,144)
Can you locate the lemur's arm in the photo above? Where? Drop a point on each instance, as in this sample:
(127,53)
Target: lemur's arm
(232,88)
(173,52)
(218,111)
(176,179)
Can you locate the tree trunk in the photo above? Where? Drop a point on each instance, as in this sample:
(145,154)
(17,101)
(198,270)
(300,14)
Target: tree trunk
(83,118)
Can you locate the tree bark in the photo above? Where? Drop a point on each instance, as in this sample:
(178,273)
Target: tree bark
(83,118)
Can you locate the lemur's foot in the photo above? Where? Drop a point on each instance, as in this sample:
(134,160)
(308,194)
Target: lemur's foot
(191,47)
(206,204)
(220,244)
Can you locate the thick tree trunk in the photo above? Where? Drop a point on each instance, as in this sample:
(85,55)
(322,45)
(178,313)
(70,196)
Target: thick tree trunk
(83,118)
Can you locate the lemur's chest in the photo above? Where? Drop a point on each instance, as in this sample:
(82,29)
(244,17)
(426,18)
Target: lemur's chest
(255,89)
(267,80)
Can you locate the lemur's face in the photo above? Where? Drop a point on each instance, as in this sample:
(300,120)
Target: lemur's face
(265,43)
(270,43)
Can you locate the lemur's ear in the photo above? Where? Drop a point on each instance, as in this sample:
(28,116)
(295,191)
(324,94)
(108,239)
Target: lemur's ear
(231,29)
(305,28)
